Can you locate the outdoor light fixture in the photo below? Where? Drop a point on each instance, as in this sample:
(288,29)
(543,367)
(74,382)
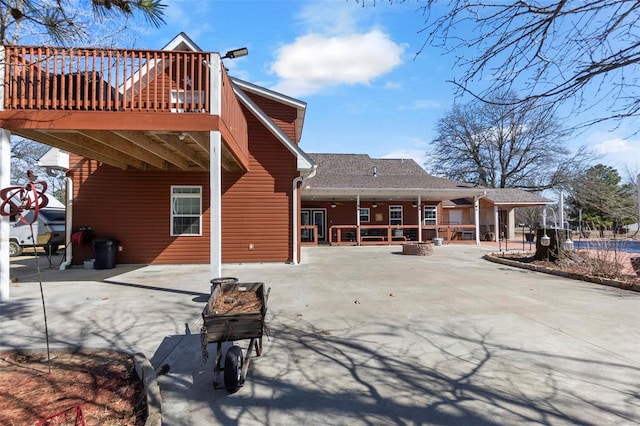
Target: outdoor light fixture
(568,244)
(415,204)
(236,53)
(333,204)
(545,240)
(374,205)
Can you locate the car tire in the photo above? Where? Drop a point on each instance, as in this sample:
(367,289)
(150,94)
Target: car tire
(15,249)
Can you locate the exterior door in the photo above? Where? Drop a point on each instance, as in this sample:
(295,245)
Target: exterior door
(316,217)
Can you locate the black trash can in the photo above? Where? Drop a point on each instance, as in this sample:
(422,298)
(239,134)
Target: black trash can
(105,250)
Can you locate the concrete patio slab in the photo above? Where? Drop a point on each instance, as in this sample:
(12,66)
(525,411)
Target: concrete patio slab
(363,336)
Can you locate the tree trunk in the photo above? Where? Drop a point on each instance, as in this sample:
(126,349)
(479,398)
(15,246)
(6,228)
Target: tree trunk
(553,250)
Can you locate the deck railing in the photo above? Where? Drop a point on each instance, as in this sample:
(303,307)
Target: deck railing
(119,80)
(43,78)
(397,234)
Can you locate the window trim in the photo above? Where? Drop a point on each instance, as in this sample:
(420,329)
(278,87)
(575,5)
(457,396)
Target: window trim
(368,214)
(396,208)
(183,99)
(173,215)
(433,208)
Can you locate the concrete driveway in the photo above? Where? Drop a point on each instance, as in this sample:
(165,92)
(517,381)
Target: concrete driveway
(364,336)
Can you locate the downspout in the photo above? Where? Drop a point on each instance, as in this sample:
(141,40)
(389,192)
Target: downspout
(296,182)
(68,218)
(295,211)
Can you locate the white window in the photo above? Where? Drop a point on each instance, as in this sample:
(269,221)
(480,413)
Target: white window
(395,215)
(186,210)
(182,99)
(364,214)
(430,215)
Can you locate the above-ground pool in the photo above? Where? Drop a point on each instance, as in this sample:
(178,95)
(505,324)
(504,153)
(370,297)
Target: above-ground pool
(620,245)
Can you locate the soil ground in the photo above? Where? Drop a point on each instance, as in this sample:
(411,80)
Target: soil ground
(603,264)
(103,384)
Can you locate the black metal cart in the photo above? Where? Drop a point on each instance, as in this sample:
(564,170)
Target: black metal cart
(231,325)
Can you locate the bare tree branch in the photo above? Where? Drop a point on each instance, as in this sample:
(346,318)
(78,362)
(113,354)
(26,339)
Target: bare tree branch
(583,52)
(498,146)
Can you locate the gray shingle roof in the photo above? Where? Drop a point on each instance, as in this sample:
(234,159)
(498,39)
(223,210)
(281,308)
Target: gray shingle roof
(356,171)
(514,196)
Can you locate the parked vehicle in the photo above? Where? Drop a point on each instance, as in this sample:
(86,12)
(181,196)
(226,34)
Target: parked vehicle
(48,231)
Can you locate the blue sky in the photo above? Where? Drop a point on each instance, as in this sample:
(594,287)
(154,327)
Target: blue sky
(355,66)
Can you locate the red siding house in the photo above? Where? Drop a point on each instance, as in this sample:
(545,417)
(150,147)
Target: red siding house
(170,156)
(181,163)
(354,199)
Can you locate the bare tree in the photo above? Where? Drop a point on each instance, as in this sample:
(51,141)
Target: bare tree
(584,52)
(500,146)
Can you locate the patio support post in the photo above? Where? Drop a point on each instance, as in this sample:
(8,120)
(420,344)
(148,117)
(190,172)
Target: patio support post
(496,223)
(358,219)
(5,179)
(419,218)
(215,174)
(476,217)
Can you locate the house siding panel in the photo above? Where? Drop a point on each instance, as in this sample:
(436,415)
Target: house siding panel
(134,208)
(283,116)
(256,206)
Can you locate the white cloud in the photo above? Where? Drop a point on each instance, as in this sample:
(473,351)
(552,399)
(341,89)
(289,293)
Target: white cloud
(621,153)
(318,17)
(393,85)
(418,155)
(616,145)
(313,62)
(421,104)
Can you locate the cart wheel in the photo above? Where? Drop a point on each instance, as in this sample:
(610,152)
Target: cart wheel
(233,369)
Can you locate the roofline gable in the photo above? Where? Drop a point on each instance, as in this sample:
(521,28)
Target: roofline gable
(182,38)
(304,161)
(299,105)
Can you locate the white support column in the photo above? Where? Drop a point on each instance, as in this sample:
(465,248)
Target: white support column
(358,219)
(5,181)
(419,218)
(561,210)
(215,169)
(496,222)
(476,217)
(215,197)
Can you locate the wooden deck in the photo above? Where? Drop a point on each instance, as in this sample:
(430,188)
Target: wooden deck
(132,109)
